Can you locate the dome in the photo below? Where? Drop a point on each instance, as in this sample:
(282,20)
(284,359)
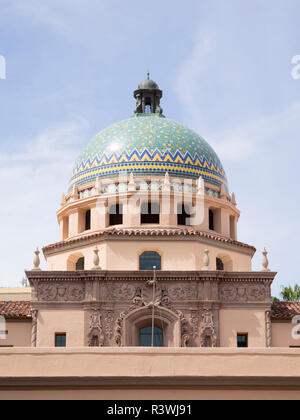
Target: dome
(148,84)
(149,145)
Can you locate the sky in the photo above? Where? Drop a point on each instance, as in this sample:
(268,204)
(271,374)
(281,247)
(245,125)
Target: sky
(227,69)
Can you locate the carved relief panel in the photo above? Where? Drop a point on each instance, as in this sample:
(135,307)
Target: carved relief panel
(60,292)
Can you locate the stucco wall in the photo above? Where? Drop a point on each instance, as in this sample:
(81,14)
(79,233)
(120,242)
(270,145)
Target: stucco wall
(176,255)
(128,373)
(282,334)
(234,321)
(70,322)
(19,334)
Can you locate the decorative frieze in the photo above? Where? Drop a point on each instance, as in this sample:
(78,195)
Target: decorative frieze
(243,292)
(61,292)
(184,292)
(117,301)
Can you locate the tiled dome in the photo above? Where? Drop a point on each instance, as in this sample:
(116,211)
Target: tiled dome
(148,144)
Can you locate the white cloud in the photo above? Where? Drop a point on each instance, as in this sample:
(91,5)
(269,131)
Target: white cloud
(241,142)
(31,183)
(189,76)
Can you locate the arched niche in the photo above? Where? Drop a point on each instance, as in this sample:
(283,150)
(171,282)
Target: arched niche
(226,261)
(140,318)
(73,260)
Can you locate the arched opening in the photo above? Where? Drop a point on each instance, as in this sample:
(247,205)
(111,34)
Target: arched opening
(147,109)
(149,260)
(74,260)
(224,262)
(146,337)
(88,220)
(138,326)
(183,214)
(115,214)
(150,213)
(80,264)
(219,264)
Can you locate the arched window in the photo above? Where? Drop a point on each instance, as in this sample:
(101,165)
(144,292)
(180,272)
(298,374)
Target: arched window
(150,213)
(146,337)
(211,220)
(149,260)
(148,109)
(115,214)
(88,220)
(80,264)
(219,264)
(183,214)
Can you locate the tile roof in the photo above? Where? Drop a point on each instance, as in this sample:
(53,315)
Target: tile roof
(285,310)
(151,232)
(15,309)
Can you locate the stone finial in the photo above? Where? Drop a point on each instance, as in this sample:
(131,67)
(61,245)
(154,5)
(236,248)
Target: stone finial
(131,185)
(63,200)
(167,184)
(200,185)
(265,261)
(233,200)
(96,259)
(75,193)
(36,261)
(223,193)
(98,186)
(206,260)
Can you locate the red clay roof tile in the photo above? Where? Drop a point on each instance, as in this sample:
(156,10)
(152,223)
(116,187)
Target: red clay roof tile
(150,232)
(15,309)
(285,310)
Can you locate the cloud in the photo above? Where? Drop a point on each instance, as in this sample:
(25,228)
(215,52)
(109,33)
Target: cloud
(189,76)
(257,134)
(31,182)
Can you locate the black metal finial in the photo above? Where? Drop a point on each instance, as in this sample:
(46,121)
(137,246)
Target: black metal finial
(148,75)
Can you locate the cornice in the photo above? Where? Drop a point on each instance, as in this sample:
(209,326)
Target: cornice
(185,235)
(146,382)
(92,275)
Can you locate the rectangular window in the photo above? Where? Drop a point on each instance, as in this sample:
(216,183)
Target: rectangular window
(116,214)
(61,340)
(150,213)
(242,340)
(183,214)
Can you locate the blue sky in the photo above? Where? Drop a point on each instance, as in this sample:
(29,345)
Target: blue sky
(225,69)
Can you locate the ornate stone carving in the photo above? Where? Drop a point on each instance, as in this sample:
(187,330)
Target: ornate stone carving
(185,336)
(34,314)
(96,336)
(195,321)
(243,293)
(268,329)
(109,319)
(208,336)
(61,292)
(187,292)
(120,291)
(144,298)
